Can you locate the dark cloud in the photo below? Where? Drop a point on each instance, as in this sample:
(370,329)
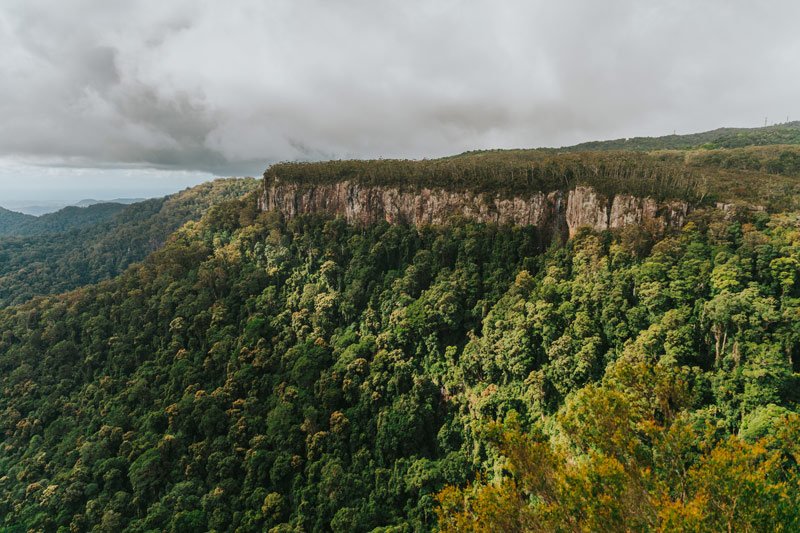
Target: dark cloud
(228,88)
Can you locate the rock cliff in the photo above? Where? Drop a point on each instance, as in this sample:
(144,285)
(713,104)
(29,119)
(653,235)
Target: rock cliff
(555,213)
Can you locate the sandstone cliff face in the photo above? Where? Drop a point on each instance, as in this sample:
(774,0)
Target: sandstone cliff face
(554,213)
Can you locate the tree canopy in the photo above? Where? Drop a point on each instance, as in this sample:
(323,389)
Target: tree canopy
(262,374)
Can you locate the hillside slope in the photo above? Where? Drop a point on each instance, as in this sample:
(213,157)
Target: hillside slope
(11,220)
(259,373)
(103,240)
(301,369)
(65,219)
(784,133)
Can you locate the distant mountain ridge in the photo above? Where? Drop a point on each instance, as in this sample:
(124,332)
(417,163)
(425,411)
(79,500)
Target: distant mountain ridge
(11,220)
(784,133)
(37,209)
(86,202)
(62,220)
(78,246)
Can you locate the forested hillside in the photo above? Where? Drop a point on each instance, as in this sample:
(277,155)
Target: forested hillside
(784,133)
(11,220)
(64,219)
(78,246)
(425,314)
(260,374)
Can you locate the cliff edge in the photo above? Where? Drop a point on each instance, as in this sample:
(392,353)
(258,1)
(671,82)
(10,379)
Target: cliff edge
(557,212)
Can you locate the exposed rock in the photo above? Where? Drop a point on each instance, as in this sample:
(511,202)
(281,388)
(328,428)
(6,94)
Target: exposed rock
(586,208)
(654,216)
(553,213)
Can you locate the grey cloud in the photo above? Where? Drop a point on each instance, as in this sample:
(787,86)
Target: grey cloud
(231,87)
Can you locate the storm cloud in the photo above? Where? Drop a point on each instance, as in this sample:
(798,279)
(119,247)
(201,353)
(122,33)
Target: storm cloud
(230,87)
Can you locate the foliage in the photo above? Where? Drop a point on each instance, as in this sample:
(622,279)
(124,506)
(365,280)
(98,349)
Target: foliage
(309,375)
(510,173)
(785,133)
(631,455)
(63,220)
(11,220)
(78,246)
(761,175)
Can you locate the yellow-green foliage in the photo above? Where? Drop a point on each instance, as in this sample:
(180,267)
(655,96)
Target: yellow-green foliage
(630,455)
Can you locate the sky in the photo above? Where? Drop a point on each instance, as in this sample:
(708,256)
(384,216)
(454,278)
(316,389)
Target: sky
(140,98)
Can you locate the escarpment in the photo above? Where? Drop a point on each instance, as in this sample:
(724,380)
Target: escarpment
(557,212)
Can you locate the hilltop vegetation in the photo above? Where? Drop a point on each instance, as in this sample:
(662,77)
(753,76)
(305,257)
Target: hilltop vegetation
(257,374)
(762,175)
(78,246)
(507,173)
(785,133)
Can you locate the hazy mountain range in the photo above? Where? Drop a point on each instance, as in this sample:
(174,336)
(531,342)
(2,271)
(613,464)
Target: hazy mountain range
(38,208)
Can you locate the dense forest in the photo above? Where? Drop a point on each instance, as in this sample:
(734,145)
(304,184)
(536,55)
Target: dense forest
(77,246)
(11,220)
(64,219)
(258,373)
(264,374)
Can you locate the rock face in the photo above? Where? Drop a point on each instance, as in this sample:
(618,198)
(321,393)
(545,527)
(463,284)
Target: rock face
(554,213)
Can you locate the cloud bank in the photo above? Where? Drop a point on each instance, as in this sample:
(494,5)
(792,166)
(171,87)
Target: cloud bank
(230,87)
